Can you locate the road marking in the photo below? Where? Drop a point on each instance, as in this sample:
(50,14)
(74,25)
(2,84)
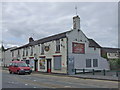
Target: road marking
(26,84)
(67,86)
(11,82)
(34,80)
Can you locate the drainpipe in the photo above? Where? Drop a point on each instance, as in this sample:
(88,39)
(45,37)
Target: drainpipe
(67,54)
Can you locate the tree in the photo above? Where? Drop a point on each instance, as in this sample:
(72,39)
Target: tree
(118,63)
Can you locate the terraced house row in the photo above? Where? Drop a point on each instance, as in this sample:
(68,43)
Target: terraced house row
(63,52)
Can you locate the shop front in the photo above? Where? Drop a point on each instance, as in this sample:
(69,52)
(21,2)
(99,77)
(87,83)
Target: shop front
(42,64)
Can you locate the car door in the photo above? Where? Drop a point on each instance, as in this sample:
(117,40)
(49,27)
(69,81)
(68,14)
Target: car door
(11,67)
(15,67)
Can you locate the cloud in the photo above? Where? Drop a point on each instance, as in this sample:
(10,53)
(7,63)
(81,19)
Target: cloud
(22,20)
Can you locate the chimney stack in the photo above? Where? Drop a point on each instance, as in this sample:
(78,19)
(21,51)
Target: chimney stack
(31,39)
(76,22)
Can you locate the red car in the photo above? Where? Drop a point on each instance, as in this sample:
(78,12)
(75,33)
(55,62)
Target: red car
(19,67)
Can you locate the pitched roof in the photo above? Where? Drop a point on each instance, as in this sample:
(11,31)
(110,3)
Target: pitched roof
(92,43)
(50,38)
(43,40)
(111,50)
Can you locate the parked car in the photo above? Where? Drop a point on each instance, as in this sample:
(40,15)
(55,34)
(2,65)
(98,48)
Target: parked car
(19,67)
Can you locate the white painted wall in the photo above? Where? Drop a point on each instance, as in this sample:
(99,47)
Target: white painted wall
(48,54)
(52,52)
(8,56)
(90,53)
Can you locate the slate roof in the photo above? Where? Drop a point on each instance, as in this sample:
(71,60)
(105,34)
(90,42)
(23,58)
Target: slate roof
(43,40)
(111,50)
(92,43)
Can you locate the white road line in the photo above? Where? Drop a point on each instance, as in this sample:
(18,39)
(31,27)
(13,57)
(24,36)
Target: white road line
(34,80)
(67,86)
(26,84)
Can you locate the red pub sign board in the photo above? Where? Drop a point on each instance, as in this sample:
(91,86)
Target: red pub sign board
(78,48)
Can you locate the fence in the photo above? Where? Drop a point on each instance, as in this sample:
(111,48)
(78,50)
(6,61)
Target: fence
(98,72)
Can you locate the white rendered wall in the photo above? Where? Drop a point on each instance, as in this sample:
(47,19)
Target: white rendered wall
(90,53)
(50,55)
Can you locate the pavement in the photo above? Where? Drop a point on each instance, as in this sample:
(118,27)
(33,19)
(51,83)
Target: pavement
(98,77)
(84,76)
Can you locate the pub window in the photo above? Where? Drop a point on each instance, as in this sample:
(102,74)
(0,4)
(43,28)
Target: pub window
(42,48)
(57,45)
(57,63)
(31,50)
(95,63)
(18,53)
(12,53)
(23,52)
(42,63)
(39,48)
(88,62)
(26,51)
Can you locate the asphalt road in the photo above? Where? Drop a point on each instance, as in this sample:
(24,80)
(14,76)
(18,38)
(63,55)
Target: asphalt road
(36,80)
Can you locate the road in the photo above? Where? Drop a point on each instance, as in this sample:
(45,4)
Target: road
(37,80)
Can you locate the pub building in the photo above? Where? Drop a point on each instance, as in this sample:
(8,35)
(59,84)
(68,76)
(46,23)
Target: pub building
(63,52)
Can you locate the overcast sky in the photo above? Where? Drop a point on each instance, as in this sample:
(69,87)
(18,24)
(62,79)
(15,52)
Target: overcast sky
(99,21)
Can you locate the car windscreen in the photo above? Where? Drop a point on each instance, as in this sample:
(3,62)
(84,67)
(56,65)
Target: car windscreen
(22,65)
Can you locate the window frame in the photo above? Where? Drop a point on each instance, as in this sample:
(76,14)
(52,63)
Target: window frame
(90,65)
(58,46)
(60,67)
(95,65)
(42,48)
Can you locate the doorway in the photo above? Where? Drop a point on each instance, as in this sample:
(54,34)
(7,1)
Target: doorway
(36,65)
(48,65)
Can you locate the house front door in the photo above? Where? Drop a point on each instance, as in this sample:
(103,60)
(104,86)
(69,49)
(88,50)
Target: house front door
(48,65)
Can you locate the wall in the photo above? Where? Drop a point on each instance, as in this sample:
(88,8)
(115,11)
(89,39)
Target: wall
(51,53)
(90,53)
(47,54)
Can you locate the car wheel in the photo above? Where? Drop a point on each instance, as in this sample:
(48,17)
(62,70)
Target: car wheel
(29,73)
(18,72)
(10,72)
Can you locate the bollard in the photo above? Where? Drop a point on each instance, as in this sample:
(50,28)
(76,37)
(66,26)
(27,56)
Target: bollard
(75,71)
(117,73)
(104,72)
(93,71)
(83,71)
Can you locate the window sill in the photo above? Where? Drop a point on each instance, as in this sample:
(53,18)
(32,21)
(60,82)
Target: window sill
(42,53)
(57,52)
(58,69)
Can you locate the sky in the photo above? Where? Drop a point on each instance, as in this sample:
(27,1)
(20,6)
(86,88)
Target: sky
(21,20)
